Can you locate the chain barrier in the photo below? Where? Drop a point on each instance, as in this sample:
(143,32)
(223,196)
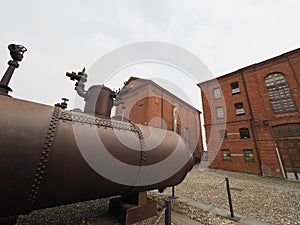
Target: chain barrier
(219,196)
(160,216)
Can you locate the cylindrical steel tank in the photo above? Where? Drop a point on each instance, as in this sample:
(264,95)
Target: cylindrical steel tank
(99,101)
(50,156)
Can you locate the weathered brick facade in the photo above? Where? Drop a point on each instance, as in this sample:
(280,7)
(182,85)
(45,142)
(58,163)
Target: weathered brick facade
(149,104)
(263,98)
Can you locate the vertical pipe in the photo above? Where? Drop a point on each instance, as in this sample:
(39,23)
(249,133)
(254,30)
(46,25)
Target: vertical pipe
(280,161)
(8,74)
(174,117)
(168,212)
(162,111)
(123,111)
(229,197)
(174,127)
(173,192)
(251,125)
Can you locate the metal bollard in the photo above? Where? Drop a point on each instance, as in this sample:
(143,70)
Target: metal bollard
(168,212)
(231,216)
(173,193)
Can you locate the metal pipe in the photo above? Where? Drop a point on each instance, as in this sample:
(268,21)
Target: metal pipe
(280,161)
(16,52)
(80,90)
(229,197)
(251,125)
(175,126)
(168,212)
(8,73)
(175,117)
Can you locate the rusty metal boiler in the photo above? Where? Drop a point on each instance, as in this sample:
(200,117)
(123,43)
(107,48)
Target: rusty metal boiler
(52,156)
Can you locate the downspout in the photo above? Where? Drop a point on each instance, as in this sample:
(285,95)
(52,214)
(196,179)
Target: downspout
(162,111)
(280,161)
(251,124)
(175,117)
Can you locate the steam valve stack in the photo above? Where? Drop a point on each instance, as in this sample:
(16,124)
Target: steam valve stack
(16,52)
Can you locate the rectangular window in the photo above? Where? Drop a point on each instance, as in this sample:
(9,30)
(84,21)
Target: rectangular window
(186,134)
(239,109)
(226,155)
(248,154)
(220,112)
(223,134)
(217,93)
(235,88)
(244,133)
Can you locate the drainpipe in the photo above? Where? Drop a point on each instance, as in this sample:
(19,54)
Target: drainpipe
(175,117)
(280,161)
(251,124)
(162,111)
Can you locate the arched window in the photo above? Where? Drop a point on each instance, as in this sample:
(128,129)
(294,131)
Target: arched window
(279,94)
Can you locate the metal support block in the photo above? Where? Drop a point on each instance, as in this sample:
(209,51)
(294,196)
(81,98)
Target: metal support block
(132,209)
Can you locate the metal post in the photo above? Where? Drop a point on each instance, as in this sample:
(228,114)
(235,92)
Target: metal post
(168,212)
(123,111)
(173,193)
(232,217)
(175,126)
(16,52)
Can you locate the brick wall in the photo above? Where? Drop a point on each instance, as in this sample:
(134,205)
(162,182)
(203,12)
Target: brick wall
(149,104)
(259,117)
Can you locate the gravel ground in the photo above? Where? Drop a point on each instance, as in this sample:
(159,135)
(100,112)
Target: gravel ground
(270,200)
(274,201)
(88,213)
(193,213)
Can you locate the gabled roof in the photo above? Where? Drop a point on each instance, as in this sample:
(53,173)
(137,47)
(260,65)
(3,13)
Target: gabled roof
(145,81)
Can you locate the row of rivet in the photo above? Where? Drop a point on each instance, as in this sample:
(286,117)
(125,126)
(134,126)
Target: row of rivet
(97,121)
(43,159)
(143,153)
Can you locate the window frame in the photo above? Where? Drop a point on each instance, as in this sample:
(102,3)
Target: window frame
(218,112)
(247,157)
(227,156)
(243,131)
(238,108)
(235,88)
(217,95)
(223,134)
(279,93)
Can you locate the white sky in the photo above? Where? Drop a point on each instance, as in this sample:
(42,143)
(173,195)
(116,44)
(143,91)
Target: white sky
(67,35)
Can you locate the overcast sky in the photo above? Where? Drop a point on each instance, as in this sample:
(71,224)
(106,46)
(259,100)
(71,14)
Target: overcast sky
(67,35)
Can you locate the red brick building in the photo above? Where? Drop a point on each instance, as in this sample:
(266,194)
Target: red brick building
(252,118)
(149,104)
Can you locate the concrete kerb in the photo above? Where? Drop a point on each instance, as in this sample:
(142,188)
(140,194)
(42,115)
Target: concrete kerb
(183,220)
(208,208)
(278,187)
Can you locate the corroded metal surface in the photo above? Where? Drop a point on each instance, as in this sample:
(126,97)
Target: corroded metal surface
(43,159)
(42,165)
(50,156)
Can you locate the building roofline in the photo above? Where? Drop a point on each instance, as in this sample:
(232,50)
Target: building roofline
(161,88)
(284,55)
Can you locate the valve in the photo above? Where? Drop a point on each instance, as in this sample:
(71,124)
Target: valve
(63,104)
(17,54)
(81,78)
